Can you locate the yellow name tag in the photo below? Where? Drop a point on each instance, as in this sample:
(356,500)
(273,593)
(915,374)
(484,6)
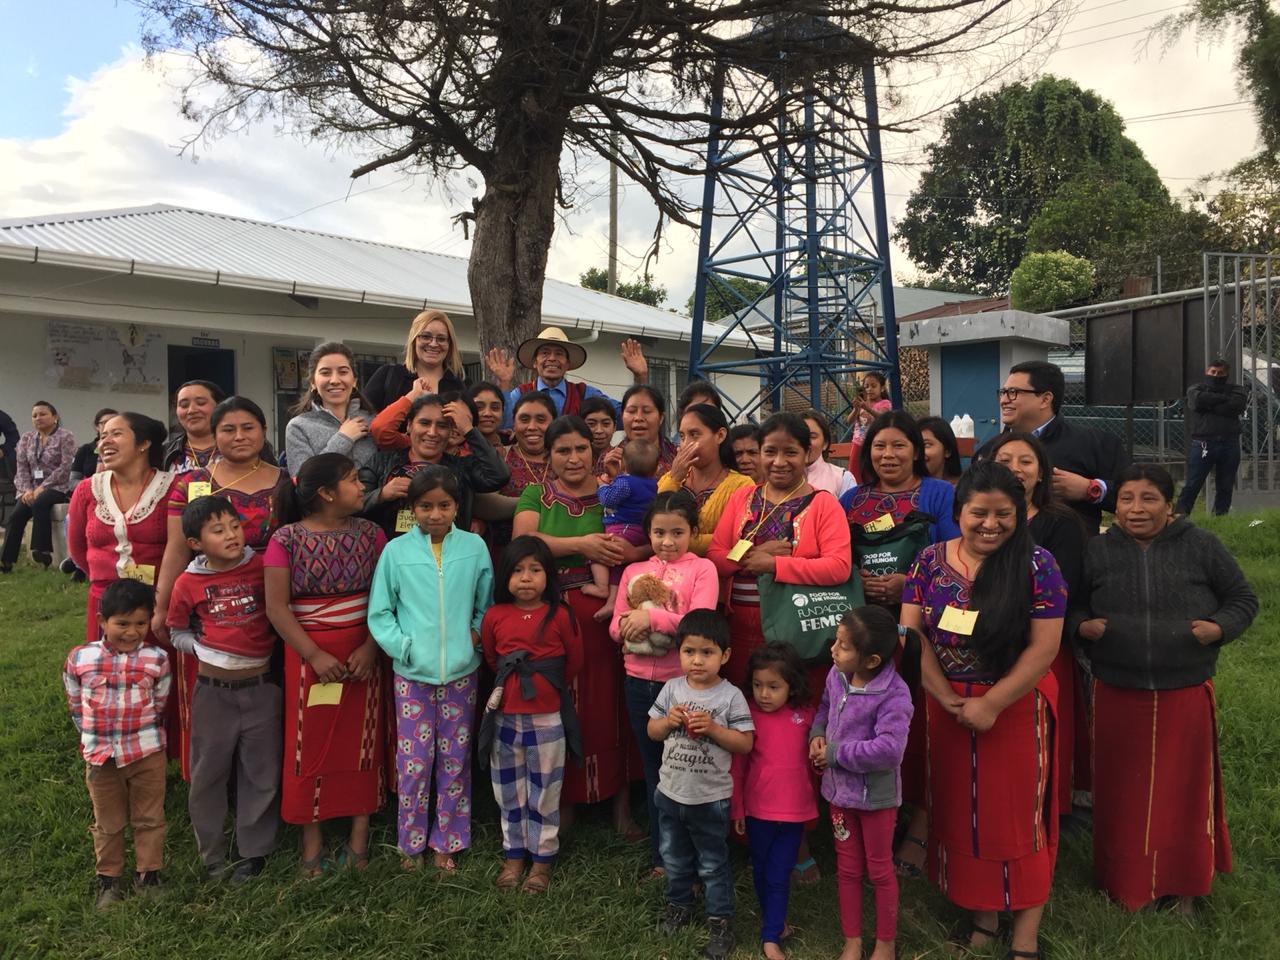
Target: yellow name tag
(955,620)
(880,524)
(199,488)
(142,572)
(404,521)
(324,695)
(740,550)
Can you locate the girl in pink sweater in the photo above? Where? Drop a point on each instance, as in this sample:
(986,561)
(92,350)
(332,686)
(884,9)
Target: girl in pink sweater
(686,582)
(773,795)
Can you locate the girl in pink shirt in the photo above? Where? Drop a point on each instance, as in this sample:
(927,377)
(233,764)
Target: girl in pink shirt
(687,582)
(773,795)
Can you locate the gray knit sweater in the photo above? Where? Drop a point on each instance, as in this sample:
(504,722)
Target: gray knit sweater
(316,431)
(1149,598)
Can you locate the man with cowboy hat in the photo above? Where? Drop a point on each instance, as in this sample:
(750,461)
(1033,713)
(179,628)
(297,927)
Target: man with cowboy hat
(551,354)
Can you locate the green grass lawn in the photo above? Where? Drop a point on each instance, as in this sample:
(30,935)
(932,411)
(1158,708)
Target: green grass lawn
(596,907)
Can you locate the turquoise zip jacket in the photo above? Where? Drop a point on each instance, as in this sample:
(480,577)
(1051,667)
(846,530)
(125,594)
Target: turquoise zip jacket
(410,597)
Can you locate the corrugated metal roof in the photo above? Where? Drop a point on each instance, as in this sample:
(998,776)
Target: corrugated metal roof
(199,246)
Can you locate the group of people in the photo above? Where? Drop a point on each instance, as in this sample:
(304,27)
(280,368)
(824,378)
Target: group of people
(479,572)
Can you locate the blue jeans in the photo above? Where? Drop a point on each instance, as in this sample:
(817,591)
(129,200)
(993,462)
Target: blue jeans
(695,843)
(773,856)
(640,695)
(1220,456)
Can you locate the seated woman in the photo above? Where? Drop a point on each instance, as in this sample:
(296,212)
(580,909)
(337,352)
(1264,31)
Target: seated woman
(386,477)
(991,604)
(42,478)
(1162,596)
(941,452)
(333,416)
(431,359)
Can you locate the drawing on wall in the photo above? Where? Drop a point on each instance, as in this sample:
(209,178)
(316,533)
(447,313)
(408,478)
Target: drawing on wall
(286,364)
(124,358)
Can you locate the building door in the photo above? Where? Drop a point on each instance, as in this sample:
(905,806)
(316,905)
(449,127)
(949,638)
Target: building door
(970,378)
(201,363)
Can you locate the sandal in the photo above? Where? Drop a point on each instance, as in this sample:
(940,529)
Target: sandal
(509,875)
(654,873)
(804,877)
(446,865)
(1022,955)
(314,868)
(349,859)
(538,880)
(965,947)
(904,867)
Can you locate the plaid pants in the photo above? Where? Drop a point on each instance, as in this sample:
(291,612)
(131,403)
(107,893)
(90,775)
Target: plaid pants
(527,770)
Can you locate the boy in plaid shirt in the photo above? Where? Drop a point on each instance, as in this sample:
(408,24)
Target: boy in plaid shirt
(117,689)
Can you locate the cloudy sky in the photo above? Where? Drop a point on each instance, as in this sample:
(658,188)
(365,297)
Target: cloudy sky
(87,125)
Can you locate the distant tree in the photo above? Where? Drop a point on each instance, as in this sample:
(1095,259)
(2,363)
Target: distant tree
(1257,25)
(1246,207)
(641,291)
(1001,157)
(1050,281)
(722,303)
(941,284)
(519,97)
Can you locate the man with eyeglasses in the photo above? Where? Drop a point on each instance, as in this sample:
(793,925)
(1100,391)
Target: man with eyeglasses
(551,355)
(1085,461)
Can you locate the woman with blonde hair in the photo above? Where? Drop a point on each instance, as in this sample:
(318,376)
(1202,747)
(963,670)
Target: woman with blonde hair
(431,356)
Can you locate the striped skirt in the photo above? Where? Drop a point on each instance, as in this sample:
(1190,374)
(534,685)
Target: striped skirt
(335,735)
(993,811)
(1159,824)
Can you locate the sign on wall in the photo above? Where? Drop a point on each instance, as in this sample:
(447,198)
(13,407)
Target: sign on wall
(101,356)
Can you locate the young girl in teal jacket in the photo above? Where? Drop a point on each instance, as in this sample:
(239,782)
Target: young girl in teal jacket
(433,568)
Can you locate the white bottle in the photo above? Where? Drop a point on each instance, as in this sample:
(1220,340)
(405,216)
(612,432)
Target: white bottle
(966,424)
(956,426)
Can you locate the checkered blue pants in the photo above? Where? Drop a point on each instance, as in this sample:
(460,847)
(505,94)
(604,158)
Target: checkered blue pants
(527,770)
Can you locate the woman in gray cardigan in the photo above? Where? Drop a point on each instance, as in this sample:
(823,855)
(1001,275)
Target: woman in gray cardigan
(1163,596)
(334,416)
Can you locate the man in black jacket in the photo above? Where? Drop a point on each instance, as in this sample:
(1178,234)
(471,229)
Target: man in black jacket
(1085,461)
(1213,422)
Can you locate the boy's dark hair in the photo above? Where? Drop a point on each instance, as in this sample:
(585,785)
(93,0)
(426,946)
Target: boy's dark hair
(1221,362)
(125,596)
(640,457)
(434,477)
(1045,377)
(783,658)
(203,509)
(704,623)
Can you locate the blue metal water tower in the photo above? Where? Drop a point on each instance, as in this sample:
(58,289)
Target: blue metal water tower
(794,205)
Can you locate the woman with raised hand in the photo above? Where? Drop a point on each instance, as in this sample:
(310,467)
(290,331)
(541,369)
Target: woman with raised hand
(704,466)
(333,416)
(991,604)
(1163,597)
(42,478)
(432,362)
(192,444)
(644,412)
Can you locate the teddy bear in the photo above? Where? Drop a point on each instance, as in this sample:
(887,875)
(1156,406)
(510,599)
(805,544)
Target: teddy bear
(647,592)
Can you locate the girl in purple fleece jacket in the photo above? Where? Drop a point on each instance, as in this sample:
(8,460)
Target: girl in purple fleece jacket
(857,740)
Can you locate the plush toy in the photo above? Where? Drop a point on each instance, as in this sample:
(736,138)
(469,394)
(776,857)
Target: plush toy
(647,592)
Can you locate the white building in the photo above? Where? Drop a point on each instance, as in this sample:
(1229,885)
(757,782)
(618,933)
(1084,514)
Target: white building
(117,308)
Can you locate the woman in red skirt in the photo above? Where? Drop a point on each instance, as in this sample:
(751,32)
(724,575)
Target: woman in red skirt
(318,574)
(992,604)
(1163,597)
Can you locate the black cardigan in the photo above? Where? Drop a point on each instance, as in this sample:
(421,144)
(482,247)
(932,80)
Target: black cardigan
(391,381)
(1149,598)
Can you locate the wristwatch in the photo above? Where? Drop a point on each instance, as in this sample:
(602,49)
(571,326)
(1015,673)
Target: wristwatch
(1095,491)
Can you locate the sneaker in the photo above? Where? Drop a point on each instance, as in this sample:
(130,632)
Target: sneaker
(675,918)
(721,941)
(147,883)
(109,892)
(67,566)
(43,559)
(79,576)
(246,870)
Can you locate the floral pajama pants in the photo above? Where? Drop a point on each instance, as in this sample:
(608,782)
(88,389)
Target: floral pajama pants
(433,745)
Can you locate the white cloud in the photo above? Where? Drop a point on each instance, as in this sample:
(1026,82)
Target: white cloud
(119,147)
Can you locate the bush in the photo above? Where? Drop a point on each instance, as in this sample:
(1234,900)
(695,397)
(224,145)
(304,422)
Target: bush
(1049,281)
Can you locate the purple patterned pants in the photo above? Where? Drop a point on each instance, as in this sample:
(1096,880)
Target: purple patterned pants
(433,730)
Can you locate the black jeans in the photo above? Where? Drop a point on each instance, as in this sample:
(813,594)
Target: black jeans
(1220,456)
(40,512)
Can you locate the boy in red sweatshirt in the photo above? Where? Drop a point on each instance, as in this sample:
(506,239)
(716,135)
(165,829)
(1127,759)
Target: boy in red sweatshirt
(218,613)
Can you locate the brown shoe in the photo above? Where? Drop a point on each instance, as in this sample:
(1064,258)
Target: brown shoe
(538,880)
(509,875)
(109,892)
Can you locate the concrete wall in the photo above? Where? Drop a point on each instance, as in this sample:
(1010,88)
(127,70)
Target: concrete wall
(248,322)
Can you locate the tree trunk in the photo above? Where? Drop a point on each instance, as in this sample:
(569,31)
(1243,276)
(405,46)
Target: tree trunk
(514,223)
